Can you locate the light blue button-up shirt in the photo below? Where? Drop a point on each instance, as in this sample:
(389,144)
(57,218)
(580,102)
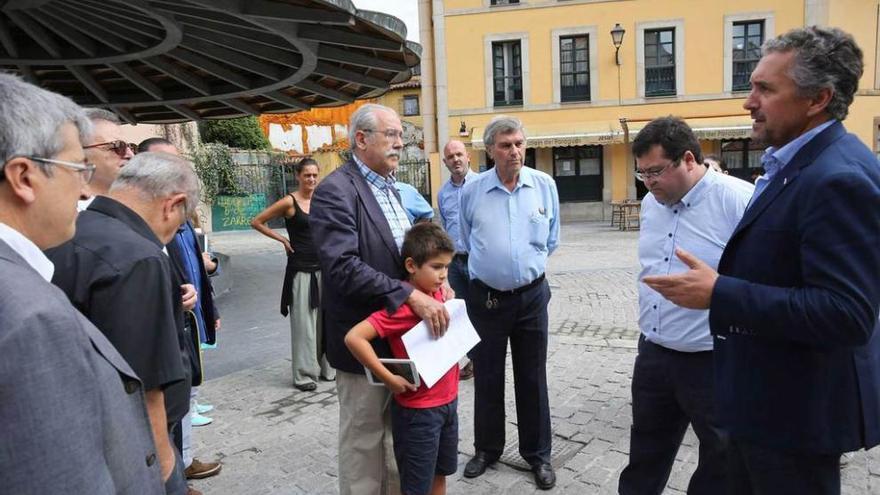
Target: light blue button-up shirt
(448,202)
(700,223)
(509,235)
(415,205)
(775,159)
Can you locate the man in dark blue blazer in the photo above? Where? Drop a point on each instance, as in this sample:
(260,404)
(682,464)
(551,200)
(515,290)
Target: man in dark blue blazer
(358,224)
(794,305)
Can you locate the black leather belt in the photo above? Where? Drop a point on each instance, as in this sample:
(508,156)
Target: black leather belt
(511,292)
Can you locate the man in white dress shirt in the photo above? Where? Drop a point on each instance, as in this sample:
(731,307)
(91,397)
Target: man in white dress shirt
(694,208)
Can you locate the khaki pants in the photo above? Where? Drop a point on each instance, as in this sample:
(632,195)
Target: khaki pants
(366,455)
(306,355)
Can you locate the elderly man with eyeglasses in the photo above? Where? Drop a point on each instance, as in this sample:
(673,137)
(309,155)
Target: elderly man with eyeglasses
(695,208)
(358,223)
(106,150)
(73,410)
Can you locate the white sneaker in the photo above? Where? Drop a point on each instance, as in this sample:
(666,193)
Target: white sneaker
(199,420)
(203,408)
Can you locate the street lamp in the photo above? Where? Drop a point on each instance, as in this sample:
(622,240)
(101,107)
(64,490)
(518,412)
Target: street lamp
(617,38)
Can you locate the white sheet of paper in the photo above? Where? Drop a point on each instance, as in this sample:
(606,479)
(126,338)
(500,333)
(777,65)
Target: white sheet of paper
(434,357)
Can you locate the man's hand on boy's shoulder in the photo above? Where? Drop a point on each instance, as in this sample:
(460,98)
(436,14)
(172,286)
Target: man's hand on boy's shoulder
(432,311)
(398,385)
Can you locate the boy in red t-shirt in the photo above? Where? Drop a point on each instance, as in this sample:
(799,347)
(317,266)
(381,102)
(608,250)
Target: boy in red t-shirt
(424,421)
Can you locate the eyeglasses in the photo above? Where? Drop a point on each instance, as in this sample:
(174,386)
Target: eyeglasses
(86,171)
(119,147)
(389,133)
(653,174)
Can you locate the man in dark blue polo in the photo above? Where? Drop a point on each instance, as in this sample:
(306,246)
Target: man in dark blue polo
(509,226)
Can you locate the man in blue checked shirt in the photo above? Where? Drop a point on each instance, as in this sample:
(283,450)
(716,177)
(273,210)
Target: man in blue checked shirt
(358,224)
(509,226)
(689,206)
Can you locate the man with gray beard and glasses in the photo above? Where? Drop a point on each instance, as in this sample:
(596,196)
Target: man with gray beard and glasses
(358,224)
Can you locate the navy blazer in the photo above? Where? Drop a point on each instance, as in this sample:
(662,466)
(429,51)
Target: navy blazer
(206,297)
(795,310)
(361,268)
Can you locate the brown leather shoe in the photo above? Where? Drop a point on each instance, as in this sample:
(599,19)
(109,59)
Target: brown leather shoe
(192,491)
(198,469)
(467,372)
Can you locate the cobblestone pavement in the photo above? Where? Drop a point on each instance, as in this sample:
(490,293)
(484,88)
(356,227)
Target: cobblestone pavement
(274,439)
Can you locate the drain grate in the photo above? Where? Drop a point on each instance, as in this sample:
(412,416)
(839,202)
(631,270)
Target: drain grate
(563,451)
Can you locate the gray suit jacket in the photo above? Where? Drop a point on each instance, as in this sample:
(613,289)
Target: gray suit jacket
(72,413)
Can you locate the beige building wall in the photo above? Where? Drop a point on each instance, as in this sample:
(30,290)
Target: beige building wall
(703,64)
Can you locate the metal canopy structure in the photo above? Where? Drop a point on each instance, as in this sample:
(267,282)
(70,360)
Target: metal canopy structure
(165,61)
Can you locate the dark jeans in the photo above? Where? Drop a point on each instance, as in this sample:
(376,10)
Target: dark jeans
(458,276)
(176,483)
(522,319)
(755,470)
(669,390)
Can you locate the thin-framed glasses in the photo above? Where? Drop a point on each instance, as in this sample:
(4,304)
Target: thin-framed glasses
(389,133)
(651,174)
(86,171)
(119,147)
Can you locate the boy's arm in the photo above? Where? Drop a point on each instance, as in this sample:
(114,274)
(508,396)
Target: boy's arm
(358,342)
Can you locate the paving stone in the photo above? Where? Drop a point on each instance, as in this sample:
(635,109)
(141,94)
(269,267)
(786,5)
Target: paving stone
(274,439)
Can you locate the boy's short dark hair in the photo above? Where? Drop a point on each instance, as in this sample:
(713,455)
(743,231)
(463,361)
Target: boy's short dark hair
(425,241)
(672,134)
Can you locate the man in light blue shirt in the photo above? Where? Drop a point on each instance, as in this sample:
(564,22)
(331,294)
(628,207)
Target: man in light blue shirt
(694,208)
(509,226)
(456,159)
(414,204)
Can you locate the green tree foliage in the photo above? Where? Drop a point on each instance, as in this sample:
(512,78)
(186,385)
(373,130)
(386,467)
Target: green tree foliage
(242,133)
(214,166)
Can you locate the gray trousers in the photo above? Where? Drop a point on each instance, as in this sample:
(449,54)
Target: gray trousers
(307,356)
(366,454)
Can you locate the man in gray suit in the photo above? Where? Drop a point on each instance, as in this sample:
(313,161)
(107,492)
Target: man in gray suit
(97,439)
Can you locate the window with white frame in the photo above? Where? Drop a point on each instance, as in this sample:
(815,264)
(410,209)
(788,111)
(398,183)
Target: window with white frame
(507,73)
(660,62)
(748,36)
(744,33)
(410,105)
(574,68)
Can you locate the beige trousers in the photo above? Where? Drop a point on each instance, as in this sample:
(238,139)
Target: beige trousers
(306,356)
(366,455)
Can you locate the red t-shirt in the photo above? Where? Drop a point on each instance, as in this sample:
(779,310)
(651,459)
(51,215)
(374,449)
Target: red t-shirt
(392,328)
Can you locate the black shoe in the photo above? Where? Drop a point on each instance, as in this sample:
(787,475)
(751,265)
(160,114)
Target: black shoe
(478,464)
(545,478)
(467,372)
(307,387)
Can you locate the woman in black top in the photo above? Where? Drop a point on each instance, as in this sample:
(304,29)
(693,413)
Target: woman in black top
(302,278)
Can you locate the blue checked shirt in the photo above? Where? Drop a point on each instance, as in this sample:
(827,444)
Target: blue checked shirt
(391,207)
